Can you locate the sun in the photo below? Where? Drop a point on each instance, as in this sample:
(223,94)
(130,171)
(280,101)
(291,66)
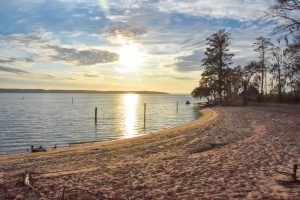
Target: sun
(130,55)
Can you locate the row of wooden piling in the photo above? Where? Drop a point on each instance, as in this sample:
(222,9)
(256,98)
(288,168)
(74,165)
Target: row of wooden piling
(145,111)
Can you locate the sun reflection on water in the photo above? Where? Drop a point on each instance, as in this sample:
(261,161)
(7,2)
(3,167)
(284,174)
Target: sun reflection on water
(130,107)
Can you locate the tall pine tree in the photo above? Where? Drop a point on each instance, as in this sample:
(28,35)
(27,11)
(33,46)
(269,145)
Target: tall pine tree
(218,58)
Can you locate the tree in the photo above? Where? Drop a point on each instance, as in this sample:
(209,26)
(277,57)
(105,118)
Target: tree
(247,73)
(262,45)
(278,70)
(285,14)
(218,58)
(233,81)
(292,68)
(209,80)
(201,92)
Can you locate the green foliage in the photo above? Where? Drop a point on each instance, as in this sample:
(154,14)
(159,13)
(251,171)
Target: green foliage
(281,65)
(201,92)
(216,61)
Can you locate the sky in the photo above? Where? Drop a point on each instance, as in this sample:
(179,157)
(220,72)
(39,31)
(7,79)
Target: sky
(153,45)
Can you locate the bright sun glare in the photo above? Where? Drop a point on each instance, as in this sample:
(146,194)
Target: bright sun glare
(130,104)
(130,55)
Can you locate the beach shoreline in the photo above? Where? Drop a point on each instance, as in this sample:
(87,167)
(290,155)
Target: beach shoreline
(206,116)
(228,153)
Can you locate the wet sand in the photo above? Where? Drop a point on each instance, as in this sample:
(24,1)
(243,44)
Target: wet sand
(229,153)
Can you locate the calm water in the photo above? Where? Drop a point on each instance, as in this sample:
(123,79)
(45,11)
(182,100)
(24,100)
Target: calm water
(51,119)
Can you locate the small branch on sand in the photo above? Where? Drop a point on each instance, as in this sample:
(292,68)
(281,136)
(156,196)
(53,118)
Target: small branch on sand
(27,178)
(295,166)
(294,180)
(63,193)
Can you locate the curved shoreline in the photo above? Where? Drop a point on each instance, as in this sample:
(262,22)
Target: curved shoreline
(207,116)
(243,153)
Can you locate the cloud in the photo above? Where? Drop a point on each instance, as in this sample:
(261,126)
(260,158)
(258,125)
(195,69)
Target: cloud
(5,60)
(230,9)
(37,36)
(48,76)
(12,60)
(129,32)
(184,66)
(188,63)
(54,35)
(29,47)
(13,70)
(56,15)
(97,18)
(42,45)
(195,57)
(90,75)
(185,78)
(83,57)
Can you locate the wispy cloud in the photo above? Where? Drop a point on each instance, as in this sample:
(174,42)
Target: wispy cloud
(12,60)
(42,44)
(37,36)
(83,57)
(230,9)
(48,37)
(13,70)
(91,75)
(188,63)
(184,66)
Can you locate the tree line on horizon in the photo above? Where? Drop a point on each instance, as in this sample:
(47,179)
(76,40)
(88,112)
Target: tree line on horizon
(274,76)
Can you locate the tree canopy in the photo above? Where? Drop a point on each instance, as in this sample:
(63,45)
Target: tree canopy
(217,59)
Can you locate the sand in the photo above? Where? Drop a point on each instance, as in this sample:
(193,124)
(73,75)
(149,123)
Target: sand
(229,153)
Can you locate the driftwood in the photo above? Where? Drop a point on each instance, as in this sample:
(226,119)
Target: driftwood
(293,175)
(206,146)
(38,149)
(27,178)
(295,167)
(65,192)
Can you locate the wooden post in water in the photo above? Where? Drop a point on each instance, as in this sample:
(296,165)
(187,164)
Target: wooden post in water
(23,97)
(145,115)
(177,107)
(72,100)
(295,172)
(96,115)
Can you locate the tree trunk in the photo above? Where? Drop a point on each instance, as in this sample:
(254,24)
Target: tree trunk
(245,101)
(262,69)
(279,84)
(215,99)
(220,96)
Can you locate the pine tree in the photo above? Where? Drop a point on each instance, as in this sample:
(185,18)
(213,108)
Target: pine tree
(218,58)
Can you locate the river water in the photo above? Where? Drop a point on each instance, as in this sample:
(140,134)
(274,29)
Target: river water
(50,119)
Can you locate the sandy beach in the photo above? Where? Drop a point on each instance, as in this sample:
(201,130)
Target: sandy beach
(229,153)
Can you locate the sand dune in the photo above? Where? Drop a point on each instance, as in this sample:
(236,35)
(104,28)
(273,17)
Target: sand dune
(230,153)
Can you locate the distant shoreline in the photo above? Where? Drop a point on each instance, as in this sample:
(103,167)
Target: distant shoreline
(76,91)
